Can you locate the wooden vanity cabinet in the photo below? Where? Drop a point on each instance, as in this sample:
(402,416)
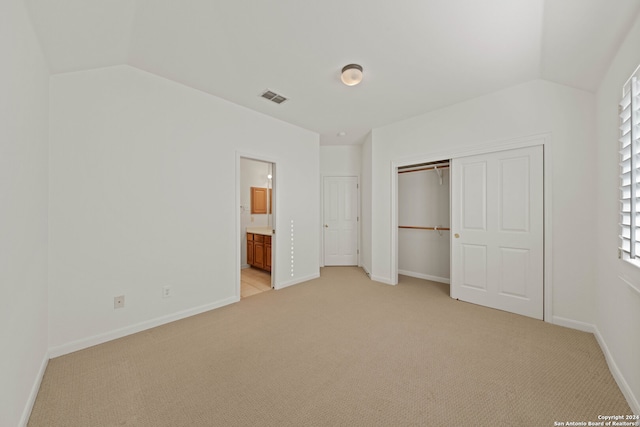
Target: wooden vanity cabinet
(259,251)
(267,253)
(250,249)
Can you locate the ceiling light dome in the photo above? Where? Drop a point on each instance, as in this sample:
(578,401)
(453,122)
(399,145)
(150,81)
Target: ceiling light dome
(351,74)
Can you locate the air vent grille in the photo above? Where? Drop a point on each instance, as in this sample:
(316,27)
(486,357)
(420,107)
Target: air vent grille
(273,97)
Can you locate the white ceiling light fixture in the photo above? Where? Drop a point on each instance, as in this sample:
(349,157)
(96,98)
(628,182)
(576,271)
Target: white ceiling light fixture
(351,74)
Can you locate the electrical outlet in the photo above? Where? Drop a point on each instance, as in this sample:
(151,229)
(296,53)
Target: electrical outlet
(118,302)
(166,291)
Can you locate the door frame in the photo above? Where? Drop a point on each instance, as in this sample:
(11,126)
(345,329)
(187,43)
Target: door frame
(322,243)
(275,284)
(528,141)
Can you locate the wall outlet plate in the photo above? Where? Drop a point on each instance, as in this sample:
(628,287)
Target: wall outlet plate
(118,302)
(166,291)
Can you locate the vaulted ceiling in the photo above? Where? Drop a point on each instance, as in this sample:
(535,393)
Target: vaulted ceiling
(417,55)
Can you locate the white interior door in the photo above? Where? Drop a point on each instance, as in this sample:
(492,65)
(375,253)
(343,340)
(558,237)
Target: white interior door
(497,228)
(340,220)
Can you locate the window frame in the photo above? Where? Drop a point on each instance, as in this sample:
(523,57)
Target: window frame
(629,170)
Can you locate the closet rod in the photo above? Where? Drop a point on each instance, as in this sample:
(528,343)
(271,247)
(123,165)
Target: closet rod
(425,169)
(424,228)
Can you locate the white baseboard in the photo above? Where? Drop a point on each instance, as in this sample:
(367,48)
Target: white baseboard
(298,280)
(128,330)
(26,413)
(632,400)
(424,276)
(381,279)
(367,272)
(573,324)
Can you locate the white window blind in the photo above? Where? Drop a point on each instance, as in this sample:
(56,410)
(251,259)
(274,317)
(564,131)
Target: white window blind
(629,110)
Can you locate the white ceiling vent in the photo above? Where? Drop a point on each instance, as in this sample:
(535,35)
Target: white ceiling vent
(273,97)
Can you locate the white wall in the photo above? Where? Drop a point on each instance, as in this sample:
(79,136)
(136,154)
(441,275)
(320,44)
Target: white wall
(340,160)
(143,195)
(536,107)
(24,80)
(253,173)
(366,197)
(424,202)
(617,310)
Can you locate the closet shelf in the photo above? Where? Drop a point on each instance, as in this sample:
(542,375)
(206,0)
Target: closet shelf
(424,228)
(436,167)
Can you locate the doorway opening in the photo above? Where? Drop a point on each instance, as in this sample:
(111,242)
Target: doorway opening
(423,221)
(257,213)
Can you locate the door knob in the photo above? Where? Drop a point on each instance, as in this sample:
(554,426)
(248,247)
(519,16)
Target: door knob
(326,226)
(457,236)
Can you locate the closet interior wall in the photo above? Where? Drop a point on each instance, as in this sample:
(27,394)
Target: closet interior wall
(423,203)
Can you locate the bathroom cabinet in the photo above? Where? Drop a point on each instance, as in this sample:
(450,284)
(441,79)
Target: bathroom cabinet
(259,203)
(259,251)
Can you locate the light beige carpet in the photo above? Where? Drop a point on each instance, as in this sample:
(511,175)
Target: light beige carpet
(340,350)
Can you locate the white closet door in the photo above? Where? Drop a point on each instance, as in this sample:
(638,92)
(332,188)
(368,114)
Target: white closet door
(497,230)
(340,220)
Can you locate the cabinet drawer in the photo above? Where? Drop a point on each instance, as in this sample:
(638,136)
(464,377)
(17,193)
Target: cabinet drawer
(258,238)
(249,236)
(267,240)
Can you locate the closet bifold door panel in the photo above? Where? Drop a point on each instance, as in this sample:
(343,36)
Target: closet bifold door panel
(497,230)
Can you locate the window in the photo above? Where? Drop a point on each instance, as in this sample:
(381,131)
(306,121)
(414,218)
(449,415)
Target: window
(629,110)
